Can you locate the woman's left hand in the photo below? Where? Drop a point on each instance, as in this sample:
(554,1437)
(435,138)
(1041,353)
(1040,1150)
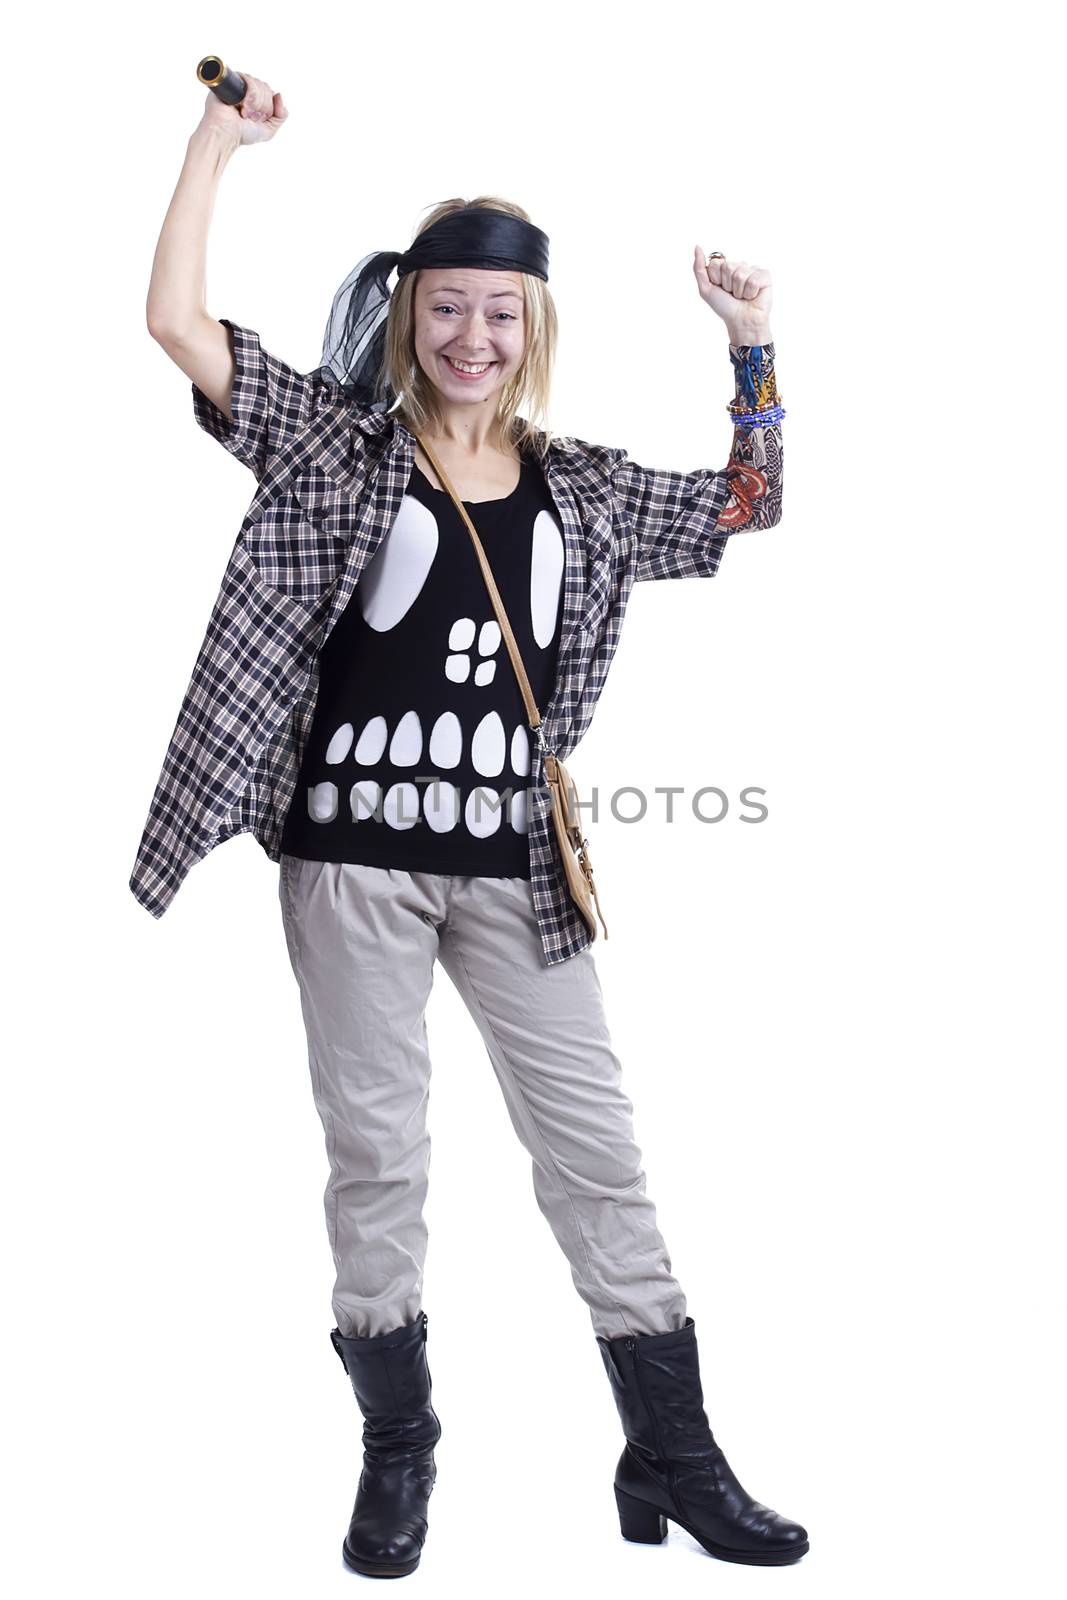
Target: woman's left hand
(737,292)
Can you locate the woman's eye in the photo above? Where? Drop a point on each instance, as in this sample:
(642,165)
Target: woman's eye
(507,314)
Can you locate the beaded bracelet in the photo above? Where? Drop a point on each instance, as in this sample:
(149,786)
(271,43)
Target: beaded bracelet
(757,419)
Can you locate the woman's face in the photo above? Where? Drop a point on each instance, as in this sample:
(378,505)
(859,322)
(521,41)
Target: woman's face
(471,315)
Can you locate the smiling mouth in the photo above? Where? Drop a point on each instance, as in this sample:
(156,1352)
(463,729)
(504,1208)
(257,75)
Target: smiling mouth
(483,367)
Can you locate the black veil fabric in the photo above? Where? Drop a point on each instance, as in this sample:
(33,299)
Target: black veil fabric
(353,347)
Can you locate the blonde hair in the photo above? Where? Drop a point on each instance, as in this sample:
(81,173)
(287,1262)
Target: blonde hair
(418,402)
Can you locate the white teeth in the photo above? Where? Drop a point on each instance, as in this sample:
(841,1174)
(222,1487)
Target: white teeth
(464,367)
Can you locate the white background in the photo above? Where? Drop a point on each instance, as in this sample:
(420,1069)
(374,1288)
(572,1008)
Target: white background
(841,1029)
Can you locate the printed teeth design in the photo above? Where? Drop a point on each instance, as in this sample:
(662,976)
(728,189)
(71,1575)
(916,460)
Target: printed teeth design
(490,750)
(460,639)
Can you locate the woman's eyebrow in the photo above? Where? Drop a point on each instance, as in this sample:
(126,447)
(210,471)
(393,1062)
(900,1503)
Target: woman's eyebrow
(504,294)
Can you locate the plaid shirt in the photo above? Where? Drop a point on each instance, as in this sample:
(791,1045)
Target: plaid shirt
(331,476)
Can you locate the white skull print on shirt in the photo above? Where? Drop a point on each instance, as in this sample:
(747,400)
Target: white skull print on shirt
(419,750)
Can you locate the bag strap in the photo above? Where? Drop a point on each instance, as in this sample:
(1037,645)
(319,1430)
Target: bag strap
(532,713)
(567,795)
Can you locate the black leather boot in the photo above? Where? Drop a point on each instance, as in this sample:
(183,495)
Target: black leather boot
(671,1466)
(391,1379)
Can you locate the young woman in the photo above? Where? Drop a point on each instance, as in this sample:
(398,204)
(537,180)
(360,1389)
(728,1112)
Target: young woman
(354,707)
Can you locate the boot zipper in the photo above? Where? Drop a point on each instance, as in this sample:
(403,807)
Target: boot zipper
(631,1345)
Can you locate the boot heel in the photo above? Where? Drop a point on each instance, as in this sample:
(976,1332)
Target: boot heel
(640,1523)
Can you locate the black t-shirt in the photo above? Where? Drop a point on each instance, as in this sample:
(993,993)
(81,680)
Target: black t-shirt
(419,750)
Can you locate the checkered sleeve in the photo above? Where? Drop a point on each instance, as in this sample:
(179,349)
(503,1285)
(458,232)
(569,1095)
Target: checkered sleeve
(271,402)
(682,520)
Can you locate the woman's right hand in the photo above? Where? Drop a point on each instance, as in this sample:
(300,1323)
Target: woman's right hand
(258,117)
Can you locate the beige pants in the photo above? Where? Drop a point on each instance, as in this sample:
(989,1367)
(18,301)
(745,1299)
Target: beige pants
(363,942)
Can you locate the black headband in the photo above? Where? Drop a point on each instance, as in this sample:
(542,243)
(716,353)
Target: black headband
(479,237)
